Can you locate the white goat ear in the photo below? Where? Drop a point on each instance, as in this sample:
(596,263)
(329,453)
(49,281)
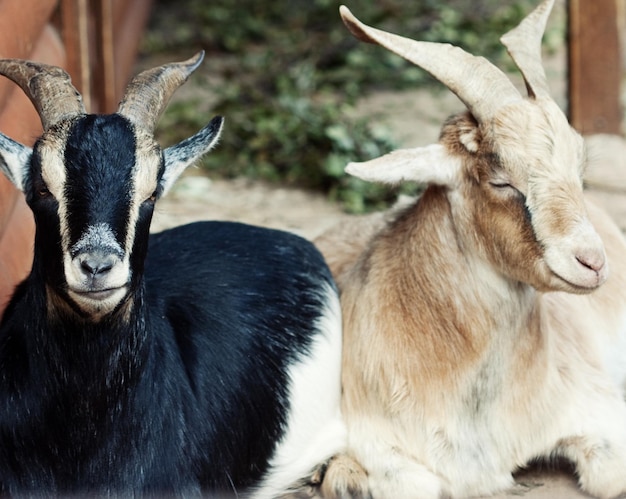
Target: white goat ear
(14,160)
(426,165)
(188,151)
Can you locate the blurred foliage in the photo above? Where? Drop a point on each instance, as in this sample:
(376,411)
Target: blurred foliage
(288,73)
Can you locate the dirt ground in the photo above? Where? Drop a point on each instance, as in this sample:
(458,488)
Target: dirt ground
(414,118)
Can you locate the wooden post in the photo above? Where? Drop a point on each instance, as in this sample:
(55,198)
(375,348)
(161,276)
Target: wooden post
(104,70)
(75,22)
(594,62)
(101,39)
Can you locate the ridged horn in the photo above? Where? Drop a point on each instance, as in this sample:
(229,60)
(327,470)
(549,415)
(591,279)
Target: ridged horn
(481,86)
(524,46)
(49,88)
(149,92)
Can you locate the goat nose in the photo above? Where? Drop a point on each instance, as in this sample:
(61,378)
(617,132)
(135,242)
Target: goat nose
(593,260)
(94,265)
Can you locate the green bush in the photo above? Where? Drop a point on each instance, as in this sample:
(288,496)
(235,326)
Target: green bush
(289,72)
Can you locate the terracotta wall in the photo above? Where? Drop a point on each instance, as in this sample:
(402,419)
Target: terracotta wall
(25,32)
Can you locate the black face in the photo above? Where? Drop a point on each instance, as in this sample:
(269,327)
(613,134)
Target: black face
(99,160)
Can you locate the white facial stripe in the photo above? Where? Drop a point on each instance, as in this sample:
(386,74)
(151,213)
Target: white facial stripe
(52,165)
(145,174)
(146,170)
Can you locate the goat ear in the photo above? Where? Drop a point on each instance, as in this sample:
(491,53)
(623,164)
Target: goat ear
(426,165)
(185,153)
(14,160)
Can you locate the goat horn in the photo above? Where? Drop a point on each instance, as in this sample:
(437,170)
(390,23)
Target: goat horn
(49,88)
(481,86)
(524,46)
(149,92)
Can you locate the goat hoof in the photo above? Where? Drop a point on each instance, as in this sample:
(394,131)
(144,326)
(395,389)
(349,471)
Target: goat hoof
(344,478)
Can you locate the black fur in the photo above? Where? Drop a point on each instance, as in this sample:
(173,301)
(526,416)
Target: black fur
(99,156)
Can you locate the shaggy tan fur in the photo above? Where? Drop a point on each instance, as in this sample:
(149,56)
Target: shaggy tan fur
(482,327)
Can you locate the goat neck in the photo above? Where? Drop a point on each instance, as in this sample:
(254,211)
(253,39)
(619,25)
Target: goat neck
(449,315)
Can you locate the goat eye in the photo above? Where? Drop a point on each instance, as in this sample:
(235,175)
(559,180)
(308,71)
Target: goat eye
(152,198)
(43,192)
(505,187)
(501,185)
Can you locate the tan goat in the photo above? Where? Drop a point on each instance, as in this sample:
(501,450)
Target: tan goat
(473,343)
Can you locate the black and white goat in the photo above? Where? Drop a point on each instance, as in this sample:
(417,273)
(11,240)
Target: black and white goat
(199,360)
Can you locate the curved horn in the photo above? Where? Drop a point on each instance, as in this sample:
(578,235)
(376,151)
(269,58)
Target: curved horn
(149,92)
(524,46)
(481,86)
(48,87)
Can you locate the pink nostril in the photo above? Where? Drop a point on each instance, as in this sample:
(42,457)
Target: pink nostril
(592,260)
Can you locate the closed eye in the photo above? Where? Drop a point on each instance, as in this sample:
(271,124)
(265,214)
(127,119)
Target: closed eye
(505,187)
(501,185)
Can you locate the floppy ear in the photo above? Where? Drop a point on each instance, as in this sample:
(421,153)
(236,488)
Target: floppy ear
(14,161)
(188,151)
(426,165)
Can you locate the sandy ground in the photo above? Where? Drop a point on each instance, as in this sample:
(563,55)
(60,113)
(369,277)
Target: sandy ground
(414,118)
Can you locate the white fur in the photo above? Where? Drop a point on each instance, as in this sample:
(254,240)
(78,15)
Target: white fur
(15,157)
(316,430)
(613,355)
